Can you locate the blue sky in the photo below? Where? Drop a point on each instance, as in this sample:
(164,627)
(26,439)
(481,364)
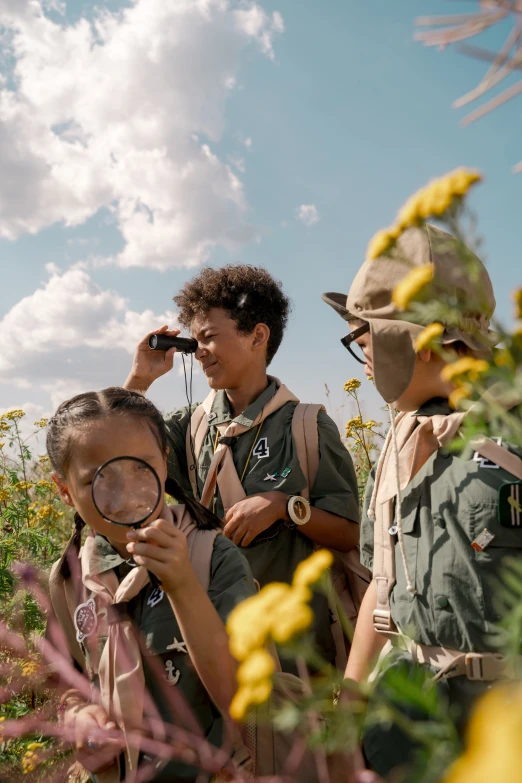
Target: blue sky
(351,115)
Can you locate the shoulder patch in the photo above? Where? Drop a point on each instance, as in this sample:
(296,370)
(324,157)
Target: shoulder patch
(510,504)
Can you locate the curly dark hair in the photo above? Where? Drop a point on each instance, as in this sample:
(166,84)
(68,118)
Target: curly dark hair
(249,294)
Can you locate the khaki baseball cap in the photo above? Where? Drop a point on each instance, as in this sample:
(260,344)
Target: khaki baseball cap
(459,280)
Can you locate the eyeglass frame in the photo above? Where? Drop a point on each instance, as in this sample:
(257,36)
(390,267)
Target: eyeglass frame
(352,336)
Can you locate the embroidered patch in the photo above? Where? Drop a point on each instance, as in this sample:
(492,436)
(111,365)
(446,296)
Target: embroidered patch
(172,674)
(261,449)
(482,461)
(483,539)
(155,597)
(85,619)
(178,646)
(510,504)
(271,477)
(286,472)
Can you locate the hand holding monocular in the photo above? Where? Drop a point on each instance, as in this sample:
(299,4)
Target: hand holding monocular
(162,342)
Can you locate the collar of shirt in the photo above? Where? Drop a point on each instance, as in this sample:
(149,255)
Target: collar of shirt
(221,407)
(434,407)
(107,557)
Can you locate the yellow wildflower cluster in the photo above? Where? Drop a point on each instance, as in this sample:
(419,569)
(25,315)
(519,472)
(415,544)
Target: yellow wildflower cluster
(41,423)
(428,336)
(43,484)
(23,486)
(29,668)
(277,613)
(5,494)
(517,296)
(31,759)
(47,512)
(4,426)
(13,415)
(417,279)
(433,200)
(355,425)
(462,374)
(352,385)
(493,750)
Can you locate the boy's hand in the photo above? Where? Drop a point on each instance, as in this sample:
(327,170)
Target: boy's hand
(97,747)
(162,549)
(251,516)
(149,365)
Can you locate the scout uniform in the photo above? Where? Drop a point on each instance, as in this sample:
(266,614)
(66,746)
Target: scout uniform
(265,459)
(229,583)
(436,523)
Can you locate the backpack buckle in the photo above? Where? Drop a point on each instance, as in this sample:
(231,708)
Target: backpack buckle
(382,620)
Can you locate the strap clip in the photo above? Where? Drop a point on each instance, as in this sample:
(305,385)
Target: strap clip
(483,667)
(382,620)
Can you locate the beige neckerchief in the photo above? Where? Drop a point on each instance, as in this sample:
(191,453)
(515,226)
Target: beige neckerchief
(222,469)
(121,674)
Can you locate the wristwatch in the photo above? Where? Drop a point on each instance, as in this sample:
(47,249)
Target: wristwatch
(298,509)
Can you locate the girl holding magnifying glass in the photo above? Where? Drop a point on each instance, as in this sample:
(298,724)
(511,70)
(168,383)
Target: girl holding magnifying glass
(116,622)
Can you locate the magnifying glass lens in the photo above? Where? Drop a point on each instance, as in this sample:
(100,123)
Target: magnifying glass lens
(126,491)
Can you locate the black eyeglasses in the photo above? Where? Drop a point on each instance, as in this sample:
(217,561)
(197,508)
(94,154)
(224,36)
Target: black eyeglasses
(356,351)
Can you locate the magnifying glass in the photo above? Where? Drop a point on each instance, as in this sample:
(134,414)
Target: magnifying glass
(127,491)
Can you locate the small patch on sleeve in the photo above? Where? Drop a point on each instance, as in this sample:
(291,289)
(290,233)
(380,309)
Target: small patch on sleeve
(510,505)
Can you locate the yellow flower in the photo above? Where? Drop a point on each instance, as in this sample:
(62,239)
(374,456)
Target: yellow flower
(14,415)
(29,668)
(411,285)
(249,624)
(460,393)
(370,424)
(493,749)
(4,495)
(381,242)
(4,427)
(427,336)
(463,369)
(292,615)
(41,423)
(257,667)
(311,570)
(247,696)
(44,460)
(517,296)
(352,385)
(35,745)
(504,358)
(436,197)
(23,486)
(353,424)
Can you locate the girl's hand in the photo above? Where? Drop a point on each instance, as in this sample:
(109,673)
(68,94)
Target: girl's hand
(148,365)
(162,549)
(97,747)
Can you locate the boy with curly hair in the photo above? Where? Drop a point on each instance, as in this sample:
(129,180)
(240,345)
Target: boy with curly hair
(243,455)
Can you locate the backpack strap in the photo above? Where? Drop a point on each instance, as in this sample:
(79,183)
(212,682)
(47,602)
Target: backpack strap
(499,455)
(200,548)
(306,439)
(196,434)
(64,604)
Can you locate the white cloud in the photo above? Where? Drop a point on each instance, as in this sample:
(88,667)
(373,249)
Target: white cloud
(70,336)
(122,113)
(307,214)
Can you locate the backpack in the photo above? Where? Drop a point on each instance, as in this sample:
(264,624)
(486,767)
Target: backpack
(350,579)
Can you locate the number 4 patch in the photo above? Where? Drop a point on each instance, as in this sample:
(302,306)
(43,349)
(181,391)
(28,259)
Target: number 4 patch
(261,448)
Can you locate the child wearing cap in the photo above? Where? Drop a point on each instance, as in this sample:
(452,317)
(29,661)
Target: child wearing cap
(243,459)
(434,530)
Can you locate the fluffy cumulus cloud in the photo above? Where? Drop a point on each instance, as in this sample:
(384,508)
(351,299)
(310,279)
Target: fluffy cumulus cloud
(70,335)
(123,112)
(307,214)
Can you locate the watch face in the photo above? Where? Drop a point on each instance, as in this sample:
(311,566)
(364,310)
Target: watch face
(300,509)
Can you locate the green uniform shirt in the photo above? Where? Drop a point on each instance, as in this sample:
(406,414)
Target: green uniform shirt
(230,583)
(275,553)
(445,507)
